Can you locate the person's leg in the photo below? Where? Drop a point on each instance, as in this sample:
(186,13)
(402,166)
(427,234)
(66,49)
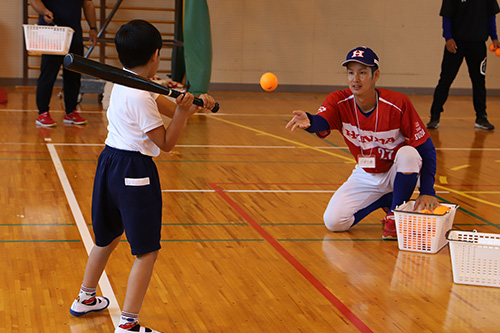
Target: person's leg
(403,177)
(137,286)
(71,86)
(404,186)
(404,174)
(87,301)
(476,63)
(138,281)
(108,228)
(49,68)
(96,263)
(142,222)
(449,69)
(475,57)
(361,190)
(384,202)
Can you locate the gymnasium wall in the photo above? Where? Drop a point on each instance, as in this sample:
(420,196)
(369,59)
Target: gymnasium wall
(304,42)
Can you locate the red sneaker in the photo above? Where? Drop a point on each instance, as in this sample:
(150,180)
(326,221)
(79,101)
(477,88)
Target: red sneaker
(74,118)
(389,227)
(45,120)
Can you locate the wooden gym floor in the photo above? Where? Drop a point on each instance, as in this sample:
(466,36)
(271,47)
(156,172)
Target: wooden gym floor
(244,248)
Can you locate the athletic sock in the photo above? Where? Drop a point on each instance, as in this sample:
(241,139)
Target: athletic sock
(87,295)
(128,320)
(404,185)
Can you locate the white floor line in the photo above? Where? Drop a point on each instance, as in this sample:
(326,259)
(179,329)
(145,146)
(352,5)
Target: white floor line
(51,111)
(104,284)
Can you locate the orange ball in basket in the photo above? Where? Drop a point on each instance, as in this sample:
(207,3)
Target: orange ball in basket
(425,211)
(492,47)
(440,210)
(268,81)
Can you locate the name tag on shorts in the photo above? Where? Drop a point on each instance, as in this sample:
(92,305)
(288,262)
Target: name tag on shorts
(137,181)
(366,161)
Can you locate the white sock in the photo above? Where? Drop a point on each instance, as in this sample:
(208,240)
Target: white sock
(128,320)
(86,294)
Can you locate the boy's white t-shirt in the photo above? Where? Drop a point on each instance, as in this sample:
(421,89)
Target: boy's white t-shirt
(132,113)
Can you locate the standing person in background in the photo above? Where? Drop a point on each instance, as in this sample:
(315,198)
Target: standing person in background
(62,13)
(466,27)
(387,138)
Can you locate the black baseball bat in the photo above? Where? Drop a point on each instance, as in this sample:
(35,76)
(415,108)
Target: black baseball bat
(105,72)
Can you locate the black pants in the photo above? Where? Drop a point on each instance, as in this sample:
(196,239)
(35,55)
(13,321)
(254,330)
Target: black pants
(49,68)
(475,57)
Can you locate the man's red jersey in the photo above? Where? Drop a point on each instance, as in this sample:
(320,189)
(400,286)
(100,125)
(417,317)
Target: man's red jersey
(393,124)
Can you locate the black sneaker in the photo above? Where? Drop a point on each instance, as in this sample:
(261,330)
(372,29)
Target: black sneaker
(483,123)
(433,124)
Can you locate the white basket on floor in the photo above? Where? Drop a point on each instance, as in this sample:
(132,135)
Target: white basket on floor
(45,39)
(421,232)
(475,258)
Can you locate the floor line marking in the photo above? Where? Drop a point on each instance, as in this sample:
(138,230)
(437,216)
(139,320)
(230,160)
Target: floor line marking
(344,310)
(347,159)
(114,308)
(460,167)
(467,196)
(300,146)
(268,191)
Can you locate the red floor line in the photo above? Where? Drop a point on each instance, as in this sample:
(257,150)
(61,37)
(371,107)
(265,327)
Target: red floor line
(295,263)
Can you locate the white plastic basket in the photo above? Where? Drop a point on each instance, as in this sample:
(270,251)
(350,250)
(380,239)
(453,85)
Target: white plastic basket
(45,39)
(475,258)
(421,232)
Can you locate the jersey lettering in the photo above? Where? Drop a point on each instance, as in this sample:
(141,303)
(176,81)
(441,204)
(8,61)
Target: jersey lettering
(398,124)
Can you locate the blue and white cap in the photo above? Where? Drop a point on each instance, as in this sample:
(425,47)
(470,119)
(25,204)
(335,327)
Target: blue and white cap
(363,55)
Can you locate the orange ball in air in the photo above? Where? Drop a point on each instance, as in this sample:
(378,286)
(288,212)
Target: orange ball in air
(497,52)
(268,81)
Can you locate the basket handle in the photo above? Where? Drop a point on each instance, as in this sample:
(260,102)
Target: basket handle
(447,235)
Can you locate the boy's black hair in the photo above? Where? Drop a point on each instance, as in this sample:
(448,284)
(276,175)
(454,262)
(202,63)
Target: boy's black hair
(136,41)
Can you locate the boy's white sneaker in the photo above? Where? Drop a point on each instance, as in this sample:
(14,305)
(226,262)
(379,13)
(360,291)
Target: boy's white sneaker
(135,328)
(79,309)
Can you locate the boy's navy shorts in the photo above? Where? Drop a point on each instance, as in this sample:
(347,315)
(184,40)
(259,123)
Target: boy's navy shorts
(127,196)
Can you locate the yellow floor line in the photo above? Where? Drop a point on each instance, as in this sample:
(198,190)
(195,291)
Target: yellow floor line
(443,179)
(347,159)
(467,196)
(460,167)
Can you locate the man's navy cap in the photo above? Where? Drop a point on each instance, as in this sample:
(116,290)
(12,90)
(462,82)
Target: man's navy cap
(363,55)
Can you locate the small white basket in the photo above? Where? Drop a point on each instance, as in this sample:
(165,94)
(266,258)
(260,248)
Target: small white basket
(475,258)
(45,39)
(421,232)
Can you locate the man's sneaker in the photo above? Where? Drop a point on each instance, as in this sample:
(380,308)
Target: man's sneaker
(433,124)
(483,123)
(134,327)
(389,227)
(45,120)
(92,305)
(74,118)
